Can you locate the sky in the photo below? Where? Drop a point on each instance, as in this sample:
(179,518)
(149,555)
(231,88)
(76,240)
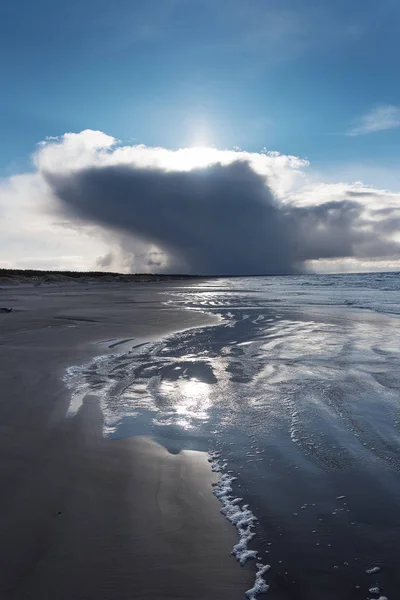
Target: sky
(299,96)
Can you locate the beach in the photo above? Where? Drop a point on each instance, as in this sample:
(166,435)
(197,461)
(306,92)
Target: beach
(82,516)
(201,439)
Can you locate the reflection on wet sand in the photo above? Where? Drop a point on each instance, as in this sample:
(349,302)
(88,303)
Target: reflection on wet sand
(301,399)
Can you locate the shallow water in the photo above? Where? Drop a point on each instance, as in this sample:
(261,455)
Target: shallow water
(297,389)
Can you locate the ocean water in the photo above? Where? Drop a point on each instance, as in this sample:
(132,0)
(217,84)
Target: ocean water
(295,395)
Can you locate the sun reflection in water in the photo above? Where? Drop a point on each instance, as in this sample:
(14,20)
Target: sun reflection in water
(190,401)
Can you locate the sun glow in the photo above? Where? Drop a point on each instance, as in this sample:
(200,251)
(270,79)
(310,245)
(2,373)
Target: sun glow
(197,157)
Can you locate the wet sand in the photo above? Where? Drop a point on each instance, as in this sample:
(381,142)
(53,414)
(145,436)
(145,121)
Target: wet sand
(86,517)
(297,394)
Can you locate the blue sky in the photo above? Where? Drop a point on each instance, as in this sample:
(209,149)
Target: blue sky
(85,83)
(291,75)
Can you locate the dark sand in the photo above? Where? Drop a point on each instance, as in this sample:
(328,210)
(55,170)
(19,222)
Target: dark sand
(82,517)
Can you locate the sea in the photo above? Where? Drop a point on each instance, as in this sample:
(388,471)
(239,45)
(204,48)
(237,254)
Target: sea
(295,397)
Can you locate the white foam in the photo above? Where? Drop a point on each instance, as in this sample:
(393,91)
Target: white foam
(372,570)
(260,586)
(242,518)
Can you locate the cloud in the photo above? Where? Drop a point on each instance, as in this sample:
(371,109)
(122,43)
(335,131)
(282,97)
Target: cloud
(194,210)
(214,219)
(105,261)
(32,235)
(379,119)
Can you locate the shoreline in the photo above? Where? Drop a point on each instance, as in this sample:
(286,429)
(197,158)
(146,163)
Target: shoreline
(83,516)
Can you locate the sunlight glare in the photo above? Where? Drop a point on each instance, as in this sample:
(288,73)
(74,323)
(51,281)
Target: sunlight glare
(197,157)
(191,401)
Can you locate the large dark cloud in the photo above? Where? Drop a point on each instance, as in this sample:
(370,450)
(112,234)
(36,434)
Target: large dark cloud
(216,220)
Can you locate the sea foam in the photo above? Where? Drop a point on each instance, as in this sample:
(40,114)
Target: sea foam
(242,518)
(260,586)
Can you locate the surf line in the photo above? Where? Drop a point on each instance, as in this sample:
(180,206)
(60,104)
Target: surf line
(242,518)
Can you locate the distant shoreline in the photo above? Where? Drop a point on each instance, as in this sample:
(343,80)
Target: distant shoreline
(38,276)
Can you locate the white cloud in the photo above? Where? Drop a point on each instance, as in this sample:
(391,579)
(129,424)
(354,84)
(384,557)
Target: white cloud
(93,148)
(75,150)
(379,119)
(32,236)
(34,233)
